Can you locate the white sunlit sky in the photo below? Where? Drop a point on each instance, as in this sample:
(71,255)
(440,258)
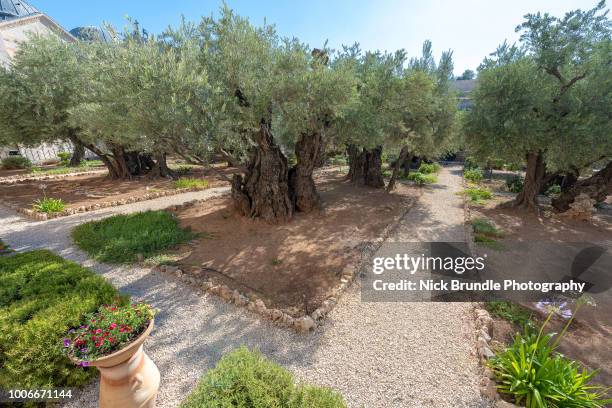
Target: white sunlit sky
(471,28)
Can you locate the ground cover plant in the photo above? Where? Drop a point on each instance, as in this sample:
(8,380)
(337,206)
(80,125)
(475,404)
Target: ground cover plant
(109,329)
(41,297)
(510,311)
(477,195)
(245,378)
(515,184)
(485,232)
(16,163)
(128,238)
(186,182)
(534,373)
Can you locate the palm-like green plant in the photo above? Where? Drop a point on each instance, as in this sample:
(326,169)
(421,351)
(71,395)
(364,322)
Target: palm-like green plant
(535,374)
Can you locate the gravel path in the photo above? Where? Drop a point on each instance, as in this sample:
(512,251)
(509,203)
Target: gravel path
(375,354)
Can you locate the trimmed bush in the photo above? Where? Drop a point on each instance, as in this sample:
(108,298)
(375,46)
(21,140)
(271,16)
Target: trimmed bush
(185,182)
(485,227)
(473,175)
(246,379)
(64,158)
(515,184)
(429,168)
(422,179)
(16,163)
(41,297)
(122,238)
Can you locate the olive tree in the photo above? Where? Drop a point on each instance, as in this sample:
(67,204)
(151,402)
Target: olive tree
(271,90)
(43,82)
(547,101)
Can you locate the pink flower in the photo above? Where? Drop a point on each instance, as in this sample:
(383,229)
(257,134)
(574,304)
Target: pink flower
(112,326)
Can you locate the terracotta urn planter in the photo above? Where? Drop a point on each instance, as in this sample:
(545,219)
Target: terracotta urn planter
(128,377)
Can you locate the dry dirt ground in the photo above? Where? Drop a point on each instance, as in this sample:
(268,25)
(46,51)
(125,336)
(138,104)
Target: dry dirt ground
(290,266)
(91,189)
(589,340)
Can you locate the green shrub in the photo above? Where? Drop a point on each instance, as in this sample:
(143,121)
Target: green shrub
(429,168)
(49,205)
(486,227)
(534,374)
(246,379)
(338,160)
(473,175)
(186,182)
(41,297)
(553,190)
(496,164)
(510,311)
(122,238)
(16,163)
(421,179)
(515,184)
(470,164)
(64,158)
(477,195)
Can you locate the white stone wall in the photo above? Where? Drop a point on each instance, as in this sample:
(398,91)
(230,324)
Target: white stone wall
(14,32)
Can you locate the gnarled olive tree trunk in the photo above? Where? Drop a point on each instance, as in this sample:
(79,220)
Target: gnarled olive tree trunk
(122,164)
(78,154)
(264,190)
(365,166)
(597,187)
(534,176)
(308,151)
(403,161)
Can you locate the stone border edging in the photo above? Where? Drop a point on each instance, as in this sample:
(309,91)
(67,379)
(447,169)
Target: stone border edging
(38,216)
(302,324)
(30,178)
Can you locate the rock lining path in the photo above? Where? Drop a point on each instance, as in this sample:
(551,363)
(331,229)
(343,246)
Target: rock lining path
(375,354)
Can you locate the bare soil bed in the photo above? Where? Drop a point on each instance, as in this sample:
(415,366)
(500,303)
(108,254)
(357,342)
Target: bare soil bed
(88,190)
(292,266)
(589,339)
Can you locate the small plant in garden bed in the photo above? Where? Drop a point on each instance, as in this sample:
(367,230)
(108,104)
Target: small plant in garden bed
(246,379)
(122,238)
(553,191)
(49,205)
(515,184)
(477,195)
(4,248)
(429,168)
(109,329)
(422,179)
(41,297)
(473,175)
(510,311)
(185,182)
(16,163)
(485,233)
(533,373)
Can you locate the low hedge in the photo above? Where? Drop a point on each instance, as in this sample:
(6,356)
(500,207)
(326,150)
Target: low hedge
(41,297)
(16,163)
(125,238)
(246,379)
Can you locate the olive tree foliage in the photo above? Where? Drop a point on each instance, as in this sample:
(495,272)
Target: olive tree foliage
(143,101)
(426,109)
(370,119)
(274,94)
(548,101)
(43,82)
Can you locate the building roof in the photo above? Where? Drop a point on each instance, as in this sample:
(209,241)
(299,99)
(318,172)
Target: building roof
(92,34)
(11,9)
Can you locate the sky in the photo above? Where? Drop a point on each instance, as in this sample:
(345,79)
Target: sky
(471,28)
